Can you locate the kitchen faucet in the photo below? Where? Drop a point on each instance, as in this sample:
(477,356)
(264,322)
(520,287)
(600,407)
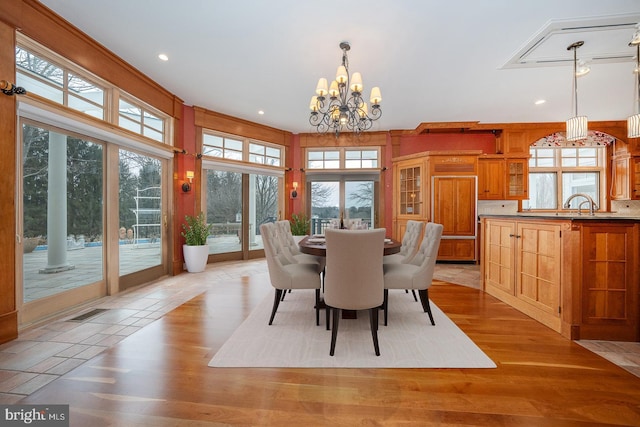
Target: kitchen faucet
(592,205)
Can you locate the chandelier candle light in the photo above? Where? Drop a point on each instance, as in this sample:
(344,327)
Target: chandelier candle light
(633,122)
(577,125)
(344,108)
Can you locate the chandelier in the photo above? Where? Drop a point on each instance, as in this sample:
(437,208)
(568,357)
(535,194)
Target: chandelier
(633,122)
(340,106)
(577,125)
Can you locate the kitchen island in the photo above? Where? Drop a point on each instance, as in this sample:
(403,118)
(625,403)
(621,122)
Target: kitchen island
(577,274)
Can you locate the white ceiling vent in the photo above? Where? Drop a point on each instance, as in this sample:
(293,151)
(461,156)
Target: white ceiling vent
(606,39)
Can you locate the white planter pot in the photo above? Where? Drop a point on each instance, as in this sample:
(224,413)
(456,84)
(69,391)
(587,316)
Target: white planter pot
(195,257)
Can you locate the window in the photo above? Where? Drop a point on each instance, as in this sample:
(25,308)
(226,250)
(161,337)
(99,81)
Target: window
(236,148)
(52,77)
(557,172)
(343,158)
(134,117)
(55,83)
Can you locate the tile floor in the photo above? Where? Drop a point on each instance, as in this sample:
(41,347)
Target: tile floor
(42,354)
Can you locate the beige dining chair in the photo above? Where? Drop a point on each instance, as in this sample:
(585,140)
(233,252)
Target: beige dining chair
(410,244)
(353,279)
(285,273)
(287,241)
(409,248)
(417,274)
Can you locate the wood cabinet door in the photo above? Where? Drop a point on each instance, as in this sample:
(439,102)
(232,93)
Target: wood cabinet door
(539,265)
(621,178)
(609,281)
(499,255)
(491,178)
(454,205)
(635,178)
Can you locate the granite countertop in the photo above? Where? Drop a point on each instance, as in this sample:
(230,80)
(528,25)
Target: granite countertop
(573,216)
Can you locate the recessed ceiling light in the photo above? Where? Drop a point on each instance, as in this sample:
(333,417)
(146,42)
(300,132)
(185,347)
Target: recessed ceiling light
(540,101)
(261,112)
(163,57)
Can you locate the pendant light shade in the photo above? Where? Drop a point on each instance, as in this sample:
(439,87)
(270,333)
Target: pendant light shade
(633,122)
(577,126)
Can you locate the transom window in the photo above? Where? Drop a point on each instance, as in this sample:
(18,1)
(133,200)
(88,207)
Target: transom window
(136,118)
(343,158)
(52,77)
(55,83)
(559,171)
(247,150)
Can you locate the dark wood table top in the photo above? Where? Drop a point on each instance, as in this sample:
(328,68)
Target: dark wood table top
(319,249)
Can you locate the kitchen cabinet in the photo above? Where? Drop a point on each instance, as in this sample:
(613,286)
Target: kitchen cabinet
(521,267)
(625,177)
(410,190)
(439,186)
(576,275)
(502,178)
(491,178)
(454,206)
(517,178)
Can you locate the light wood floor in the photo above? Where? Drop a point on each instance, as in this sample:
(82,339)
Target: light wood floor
(158,376)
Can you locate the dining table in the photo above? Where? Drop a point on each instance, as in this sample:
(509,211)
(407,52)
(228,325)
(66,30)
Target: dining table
(315,245)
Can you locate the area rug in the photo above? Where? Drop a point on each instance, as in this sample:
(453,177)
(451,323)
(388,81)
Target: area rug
(294,340)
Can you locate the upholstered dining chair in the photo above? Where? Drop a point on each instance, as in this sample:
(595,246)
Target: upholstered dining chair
(285,273)
(409,248)
(353,279)
(410,244)
(287,241)
(417,274)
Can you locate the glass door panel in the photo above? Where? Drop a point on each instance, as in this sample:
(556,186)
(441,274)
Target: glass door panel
(224,210)
(140,232)
(325,205)
(359,209)
(263,205)
(62,219)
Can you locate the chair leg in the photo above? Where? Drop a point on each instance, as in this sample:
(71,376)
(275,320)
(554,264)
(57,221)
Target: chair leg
(334,330)
(373,317)
(328,311)
(317,307)
(424,299)
(385,305)
(413,291)
(276,303)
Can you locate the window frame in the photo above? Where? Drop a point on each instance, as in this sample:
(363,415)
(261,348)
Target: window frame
(559,170)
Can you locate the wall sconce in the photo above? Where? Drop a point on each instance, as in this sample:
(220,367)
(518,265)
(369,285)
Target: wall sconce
(294,192)
(186,186)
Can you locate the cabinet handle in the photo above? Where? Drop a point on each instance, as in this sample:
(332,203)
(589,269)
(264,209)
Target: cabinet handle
(517,236)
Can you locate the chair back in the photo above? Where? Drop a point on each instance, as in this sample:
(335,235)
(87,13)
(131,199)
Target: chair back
(276,257)
(285,237)
(427,254)
(354,276)
(411,240)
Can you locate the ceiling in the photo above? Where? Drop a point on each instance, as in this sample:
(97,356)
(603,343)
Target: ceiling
(434,61)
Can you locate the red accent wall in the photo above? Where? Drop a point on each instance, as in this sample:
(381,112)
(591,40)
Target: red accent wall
(447,141)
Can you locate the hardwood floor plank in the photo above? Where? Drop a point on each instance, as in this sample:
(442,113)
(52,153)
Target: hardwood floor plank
(160,375)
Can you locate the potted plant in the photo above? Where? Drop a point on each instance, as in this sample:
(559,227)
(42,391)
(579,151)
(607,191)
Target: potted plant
(299,225)
(195,250)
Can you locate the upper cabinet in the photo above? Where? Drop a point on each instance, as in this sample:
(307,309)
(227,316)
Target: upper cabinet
(625,171)
(502,178)
(517,178)
(491,178)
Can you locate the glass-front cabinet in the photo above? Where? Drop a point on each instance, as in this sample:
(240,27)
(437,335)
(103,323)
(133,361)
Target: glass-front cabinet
(517,178)
(410,192)
(410,200)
